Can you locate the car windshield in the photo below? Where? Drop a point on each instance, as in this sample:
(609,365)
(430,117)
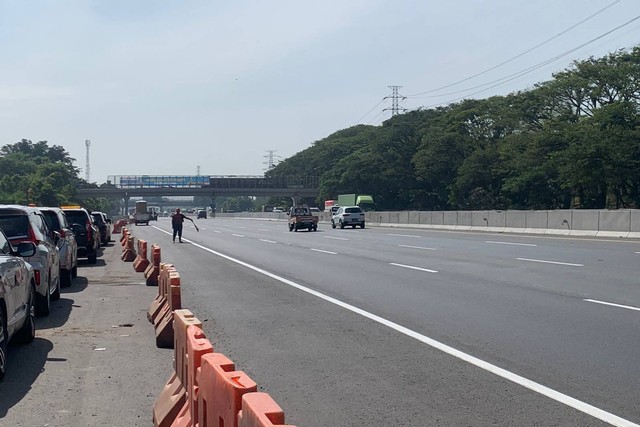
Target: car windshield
(353,210)
(97,218)
(15,226)
(52,220)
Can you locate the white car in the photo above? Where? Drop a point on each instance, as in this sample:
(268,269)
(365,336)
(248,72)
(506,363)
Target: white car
(348,215)
(17,296)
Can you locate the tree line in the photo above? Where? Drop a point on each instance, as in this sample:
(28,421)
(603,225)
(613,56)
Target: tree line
(571,142)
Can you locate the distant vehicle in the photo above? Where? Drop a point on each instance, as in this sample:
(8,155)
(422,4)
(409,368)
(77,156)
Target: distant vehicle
(202,214)
(328,204)
(314,209)
(27,224)
(142,215)
(86,232)
(17,296)
(365,202)
(104,226)
(57,220)
(154,211)
(348,215)
(333,209)
(300,217)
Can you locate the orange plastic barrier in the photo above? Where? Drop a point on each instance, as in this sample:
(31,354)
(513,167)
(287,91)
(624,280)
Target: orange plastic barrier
(173,395)
(197,346)
(117,226)
(161,299)
(220,392)
(152,271)
(123,238)
(141,262)
(129,253)
(260,410)
(164,321)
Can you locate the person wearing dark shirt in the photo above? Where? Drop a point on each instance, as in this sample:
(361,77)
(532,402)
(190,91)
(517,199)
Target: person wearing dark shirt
(177,219)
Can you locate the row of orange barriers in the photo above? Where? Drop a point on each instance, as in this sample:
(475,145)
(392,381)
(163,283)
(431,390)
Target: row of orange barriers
(205,389)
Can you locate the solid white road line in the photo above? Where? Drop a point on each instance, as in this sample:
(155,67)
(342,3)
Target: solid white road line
(550,262)
(262,229)
(324,252)
(413,268)
(503,373)
(238,235)
(417,247)
(217,231)
(510,243)
(628,307)
(402,235)
(267,241)
(637,252)
(335,238)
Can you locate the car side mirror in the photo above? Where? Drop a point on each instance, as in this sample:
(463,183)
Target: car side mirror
(26,249)
(56,237)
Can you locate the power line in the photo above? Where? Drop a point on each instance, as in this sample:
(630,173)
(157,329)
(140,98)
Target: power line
(537,66)
(369,112)
(519,55)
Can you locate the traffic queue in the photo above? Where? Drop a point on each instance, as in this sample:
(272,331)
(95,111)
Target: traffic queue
(39,252)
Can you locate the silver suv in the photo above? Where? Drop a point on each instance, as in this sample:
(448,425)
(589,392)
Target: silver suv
(26,224)
(17,296)
(348,215)
(67,245)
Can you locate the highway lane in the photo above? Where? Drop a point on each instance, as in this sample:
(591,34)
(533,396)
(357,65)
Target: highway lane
(529,317)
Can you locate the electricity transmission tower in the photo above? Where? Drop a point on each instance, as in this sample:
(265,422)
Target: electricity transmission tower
(395,101)
(271,160)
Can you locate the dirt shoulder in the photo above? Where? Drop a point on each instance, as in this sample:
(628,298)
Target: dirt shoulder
(94,359)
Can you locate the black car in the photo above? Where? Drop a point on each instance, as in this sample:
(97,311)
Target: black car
(87,234)
(104,225)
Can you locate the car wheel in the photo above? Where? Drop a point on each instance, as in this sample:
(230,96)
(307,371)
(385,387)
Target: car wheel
(290,227)
(43,303)
(27,333)
(66,276)
(333,224)
(341,225)
(362,226)
(74,272)
(353,226)
(92,258)
(4,339)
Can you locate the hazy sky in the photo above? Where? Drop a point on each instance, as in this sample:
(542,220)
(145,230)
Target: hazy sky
(161,87)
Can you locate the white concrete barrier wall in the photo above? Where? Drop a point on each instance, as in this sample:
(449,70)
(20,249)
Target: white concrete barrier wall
(425,217)
(450,218)
(536,219)
(480,218)
(635,221)
(559,220)
(585,220)
(403,217)
(615,220)
(414,217)
(437,218)
(515,219)
(497,218)
(465,218)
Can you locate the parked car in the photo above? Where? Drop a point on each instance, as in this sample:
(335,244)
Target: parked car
(27,224)
(17,296)
(104,226)
(87,234)
(202,214)
(67,245)
(348,215)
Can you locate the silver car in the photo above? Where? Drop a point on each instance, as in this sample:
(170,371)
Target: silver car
(27,224)
(67,246)
(17,296)
(348,215)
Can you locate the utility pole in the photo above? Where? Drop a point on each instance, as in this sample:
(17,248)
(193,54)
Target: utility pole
(198,170)
(395,101)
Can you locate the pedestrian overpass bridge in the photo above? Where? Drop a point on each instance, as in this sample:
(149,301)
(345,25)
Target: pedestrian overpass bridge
(126,186)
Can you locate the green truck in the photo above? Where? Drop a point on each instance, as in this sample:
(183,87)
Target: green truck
(363,200)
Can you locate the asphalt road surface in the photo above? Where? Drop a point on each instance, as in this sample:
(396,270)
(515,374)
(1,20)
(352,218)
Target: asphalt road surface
(393,327)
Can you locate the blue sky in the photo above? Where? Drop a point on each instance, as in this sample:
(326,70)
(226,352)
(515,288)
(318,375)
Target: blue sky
(162,87)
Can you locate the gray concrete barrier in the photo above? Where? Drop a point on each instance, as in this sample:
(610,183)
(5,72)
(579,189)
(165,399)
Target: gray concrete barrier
(614,223)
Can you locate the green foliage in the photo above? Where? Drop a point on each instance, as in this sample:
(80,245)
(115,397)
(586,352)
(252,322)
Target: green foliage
(573,141)
(37,173)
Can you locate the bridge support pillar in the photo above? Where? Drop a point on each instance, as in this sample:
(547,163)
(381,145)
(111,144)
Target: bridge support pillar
(126,205)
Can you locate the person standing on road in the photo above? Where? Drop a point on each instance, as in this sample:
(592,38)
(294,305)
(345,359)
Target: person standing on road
(177,219)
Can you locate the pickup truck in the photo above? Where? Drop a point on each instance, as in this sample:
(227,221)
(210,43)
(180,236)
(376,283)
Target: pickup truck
(300,217)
